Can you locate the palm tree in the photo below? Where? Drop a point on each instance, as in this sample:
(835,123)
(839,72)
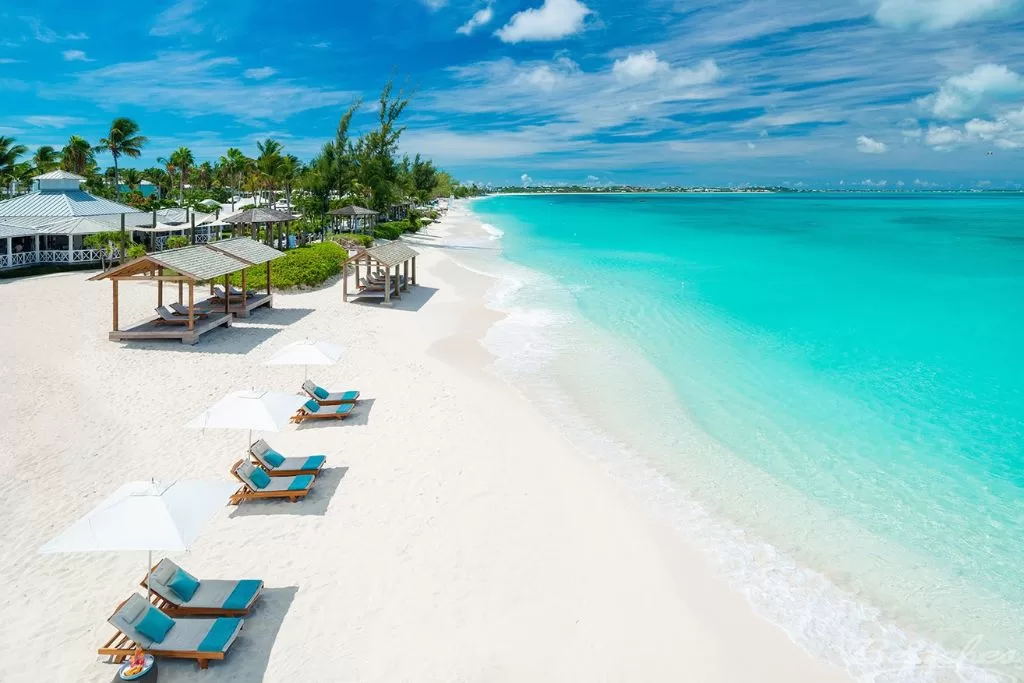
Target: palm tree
(205,174)
(77,156)
(122,140)
(234,163)
(269,161)
(287,173)
(45,159)
(132,177)
(183,160)
(9,153)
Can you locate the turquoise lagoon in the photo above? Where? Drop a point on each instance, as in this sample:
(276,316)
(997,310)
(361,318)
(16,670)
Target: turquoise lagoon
(825,391)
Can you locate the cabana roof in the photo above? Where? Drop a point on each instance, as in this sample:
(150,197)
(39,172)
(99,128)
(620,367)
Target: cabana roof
(260,215)
(197,262)
(390,254)
(58,175)
(61,204)
(245,249)
(352,211)
(54,225)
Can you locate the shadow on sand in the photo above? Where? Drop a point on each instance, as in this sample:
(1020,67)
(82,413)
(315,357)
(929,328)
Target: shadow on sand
(314,504)
(249,655)
(244,335)
(412,300)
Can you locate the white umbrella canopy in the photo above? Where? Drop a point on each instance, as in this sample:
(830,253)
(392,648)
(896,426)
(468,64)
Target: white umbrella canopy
(145,515)
(264,411)
(307,352)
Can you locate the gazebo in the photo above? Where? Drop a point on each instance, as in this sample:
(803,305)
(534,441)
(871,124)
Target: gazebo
(358,217)
(191,266)
(48,225)
(261,216)
(377,285)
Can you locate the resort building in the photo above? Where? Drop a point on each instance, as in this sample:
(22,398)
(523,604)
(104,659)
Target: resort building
(49,224)
(354,219)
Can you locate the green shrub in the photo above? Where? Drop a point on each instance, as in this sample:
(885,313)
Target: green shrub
(135,251)
(176,241)
(394,229)
(310,266)
(365,241)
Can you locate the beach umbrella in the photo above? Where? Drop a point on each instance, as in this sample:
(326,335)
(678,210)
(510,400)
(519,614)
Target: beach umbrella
(264,411)
(210,202)
(307,352)
(145,515)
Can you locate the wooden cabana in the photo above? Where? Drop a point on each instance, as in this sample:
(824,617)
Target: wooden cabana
(359,218)
(190,266)
(269,218)
(380,282)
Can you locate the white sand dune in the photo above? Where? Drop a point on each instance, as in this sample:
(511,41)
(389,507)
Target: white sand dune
(456,536)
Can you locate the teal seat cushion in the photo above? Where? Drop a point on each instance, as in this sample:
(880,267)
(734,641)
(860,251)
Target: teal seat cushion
(219,634)
(274,458)
(345,409)
(260,478)
(320,392)
(183,584)
(301,482)
(350,396)
(311,405)
(314,462)
(243,593)
(154,625)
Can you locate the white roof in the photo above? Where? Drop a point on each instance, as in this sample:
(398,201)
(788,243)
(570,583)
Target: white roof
(58,175)
(61,204)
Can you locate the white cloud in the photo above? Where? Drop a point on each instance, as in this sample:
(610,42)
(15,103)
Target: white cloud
(751,145)
(593,179)
(45,121)
(963,95)
(323,45)
(553,20)
(985,130)
(866,145)
(8,60)
(260,73)
(75,56)
(479,18)
(178,18)
(434,5)
(77,36)
(912,133)
(793,118)
(44,34)
(526,179)
(943,138)
(933,15)
(642,67)
(547,77)
(874,183)
(214,84)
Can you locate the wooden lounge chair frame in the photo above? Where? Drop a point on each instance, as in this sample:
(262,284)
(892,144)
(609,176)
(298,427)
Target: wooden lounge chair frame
(173,610)
(277,472)
(120,647)
(305,414)
(245,492)
(326,402)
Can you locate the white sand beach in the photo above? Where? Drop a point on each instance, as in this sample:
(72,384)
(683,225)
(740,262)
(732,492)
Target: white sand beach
(456,536)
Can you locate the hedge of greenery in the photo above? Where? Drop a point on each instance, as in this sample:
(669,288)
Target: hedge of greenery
(365,241)
(176,241)
(310,266)
(395,229)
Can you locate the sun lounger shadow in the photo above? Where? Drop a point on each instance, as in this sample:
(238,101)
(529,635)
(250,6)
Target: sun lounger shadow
(234,340)
(313,504)
(250,653)
(412,300)
(278,316)
(360,416)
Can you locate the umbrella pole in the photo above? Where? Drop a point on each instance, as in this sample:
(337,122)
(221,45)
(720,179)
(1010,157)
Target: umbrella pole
(149,577)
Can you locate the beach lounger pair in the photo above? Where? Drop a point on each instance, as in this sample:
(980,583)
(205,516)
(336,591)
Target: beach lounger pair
(258,484)
(218,292)
(186,634)
(277,465)
(311,410)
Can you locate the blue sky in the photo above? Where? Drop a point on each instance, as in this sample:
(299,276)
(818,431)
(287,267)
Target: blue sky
(854,92)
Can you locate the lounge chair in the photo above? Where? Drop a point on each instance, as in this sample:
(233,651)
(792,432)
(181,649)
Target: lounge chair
(199,310)
(211,597)
(258,484)
(311,410)
(329,398)
(169,317)
(199,639)
(276,465)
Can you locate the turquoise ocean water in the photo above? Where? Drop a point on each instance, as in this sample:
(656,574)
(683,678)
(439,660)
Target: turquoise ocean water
(826,390)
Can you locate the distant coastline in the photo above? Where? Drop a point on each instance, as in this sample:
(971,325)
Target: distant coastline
(635,189)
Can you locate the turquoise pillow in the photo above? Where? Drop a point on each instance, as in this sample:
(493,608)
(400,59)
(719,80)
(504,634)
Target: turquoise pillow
(155,625)
(321,392)
(183,584)
(312,406)
(274,458)
(260,478)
